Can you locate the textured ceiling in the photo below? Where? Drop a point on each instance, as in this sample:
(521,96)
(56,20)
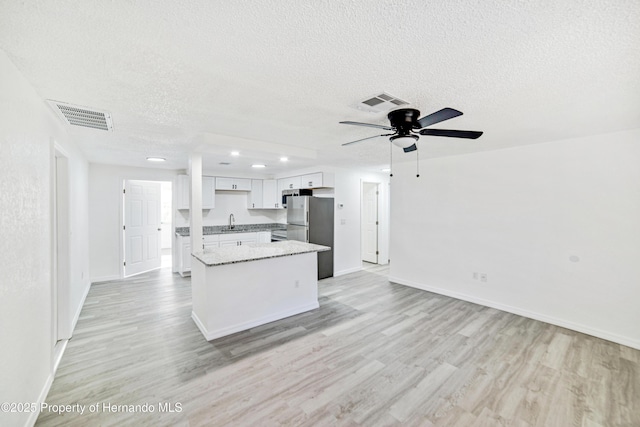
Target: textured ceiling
(275,77)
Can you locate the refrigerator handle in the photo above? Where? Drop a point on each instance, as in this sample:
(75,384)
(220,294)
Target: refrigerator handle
(307,217)
(307,235)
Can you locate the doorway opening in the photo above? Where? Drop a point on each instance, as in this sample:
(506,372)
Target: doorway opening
(369,222)
(147,225)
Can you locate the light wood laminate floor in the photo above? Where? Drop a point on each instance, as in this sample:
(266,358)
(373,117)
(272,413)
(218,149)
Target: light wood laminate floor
(373,354)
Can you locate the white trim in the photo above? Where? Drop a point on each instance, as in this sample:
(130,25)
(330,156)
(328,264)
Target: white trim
(347,271)
(33,417)
(59,350)
(522,312)
(218,333)
(74,322)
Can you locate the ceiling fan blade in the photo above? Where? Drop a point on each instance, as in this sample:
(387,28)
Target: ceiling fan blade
(438,116)
(410,148)
(367,125)
(369,137)
(468,134)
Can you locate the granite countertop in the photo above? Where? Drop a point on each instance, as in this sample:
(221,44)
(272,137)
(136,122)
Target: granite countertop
(255,251)
(239,228)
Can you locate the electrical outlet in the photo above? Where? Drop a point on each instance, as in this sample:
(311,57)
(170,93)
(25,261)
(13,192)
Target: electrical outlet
(343,221)
(483,277)
(297,283)
(475,275)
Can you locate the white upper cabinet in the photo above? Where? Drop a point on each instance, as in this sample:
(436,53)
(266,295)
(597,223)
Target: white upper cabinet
(271,198)
(290,183)
(208,192)
(254,199)
(312,180)
(233,184)
(264,194)
(317,180)
(182,192)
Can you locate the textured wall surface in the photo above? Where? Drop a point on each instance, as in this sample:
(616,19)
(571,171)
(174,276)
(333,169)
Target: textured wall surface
(25,291)
(27,131)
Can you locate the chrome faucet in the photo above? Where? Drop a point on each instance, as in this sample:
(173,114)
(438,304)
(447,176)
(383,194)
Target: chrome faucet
(232,221)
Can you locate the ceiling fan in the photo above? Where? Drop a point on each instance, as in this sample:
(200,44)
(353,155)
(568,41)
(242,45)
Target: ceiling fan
(406,126)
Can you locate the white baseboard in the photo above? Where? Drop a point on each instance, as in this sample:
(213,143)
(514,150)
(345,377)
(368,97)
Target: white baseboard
(33,417)
(218,333)
(609,336)
(79,309)
(347,271)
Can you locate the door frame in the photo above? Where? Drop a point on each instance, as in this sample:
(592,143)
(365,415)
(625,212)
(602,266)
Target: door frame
(60,242)
(362,204)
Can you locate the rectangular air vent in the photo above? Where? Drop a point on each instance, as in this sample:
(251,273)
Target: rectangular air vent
(82,116)
(380,103)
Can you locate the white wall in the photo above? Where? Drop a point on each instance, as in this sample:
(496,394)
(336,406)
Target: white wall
(555,226)
(27,131)
(105,214)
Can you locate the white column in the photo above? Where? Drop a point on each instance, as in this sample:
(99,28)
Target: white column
(195,201)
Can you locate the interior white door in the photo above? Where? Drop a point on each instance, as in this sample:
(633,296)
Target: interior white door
(370,222)
(142,227)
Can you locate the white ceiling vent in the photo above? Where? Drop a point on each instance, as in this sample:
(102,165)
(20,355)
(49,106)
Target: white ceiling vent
(82,116)
(380,103)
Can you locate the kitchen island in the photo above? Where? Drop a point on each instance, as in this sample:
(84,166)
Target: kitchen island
(239,287)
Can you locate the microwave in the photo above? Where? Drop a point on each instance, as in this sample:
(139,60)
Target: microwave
(297,192)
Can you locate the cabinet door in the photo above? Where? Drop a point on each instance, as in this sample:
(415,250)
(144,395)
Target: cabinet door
(224,183)
(242,184)
(186,257)
(264,237)
(182,192)
(290,183)
(208,192)
(255,197)
(237,184)
(236,239)
(313,180)
(253,239)
(271,199)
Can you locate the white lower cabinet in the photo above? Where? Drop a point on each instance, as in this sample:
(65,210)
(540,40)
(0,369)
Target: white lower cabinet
(210,241)
(237,239)
(264,236)
(184,255)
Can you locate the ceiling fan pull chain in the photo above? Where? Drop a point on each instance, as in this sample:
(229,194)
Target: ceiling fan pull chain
(390,158)
(417,163)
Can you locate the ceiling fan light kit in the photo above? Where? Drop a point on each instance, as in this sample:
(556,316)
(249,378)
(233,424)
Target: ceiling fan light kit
(407,127)
(404,141)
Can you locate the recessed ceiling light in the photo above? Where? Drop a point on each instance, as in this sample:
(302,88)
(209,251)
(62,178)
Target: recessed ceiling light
(386,170)
(258,166)
(284,159)
(235,153)
(156,159)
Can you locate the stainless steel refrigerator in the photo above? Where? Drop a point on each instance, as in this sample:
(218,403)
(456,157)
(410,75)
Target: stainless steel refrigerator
(310,219)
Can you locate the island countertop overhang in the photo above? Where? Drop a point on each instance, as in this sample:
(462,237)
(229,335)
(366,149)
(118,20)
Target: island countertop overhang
(255,251)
